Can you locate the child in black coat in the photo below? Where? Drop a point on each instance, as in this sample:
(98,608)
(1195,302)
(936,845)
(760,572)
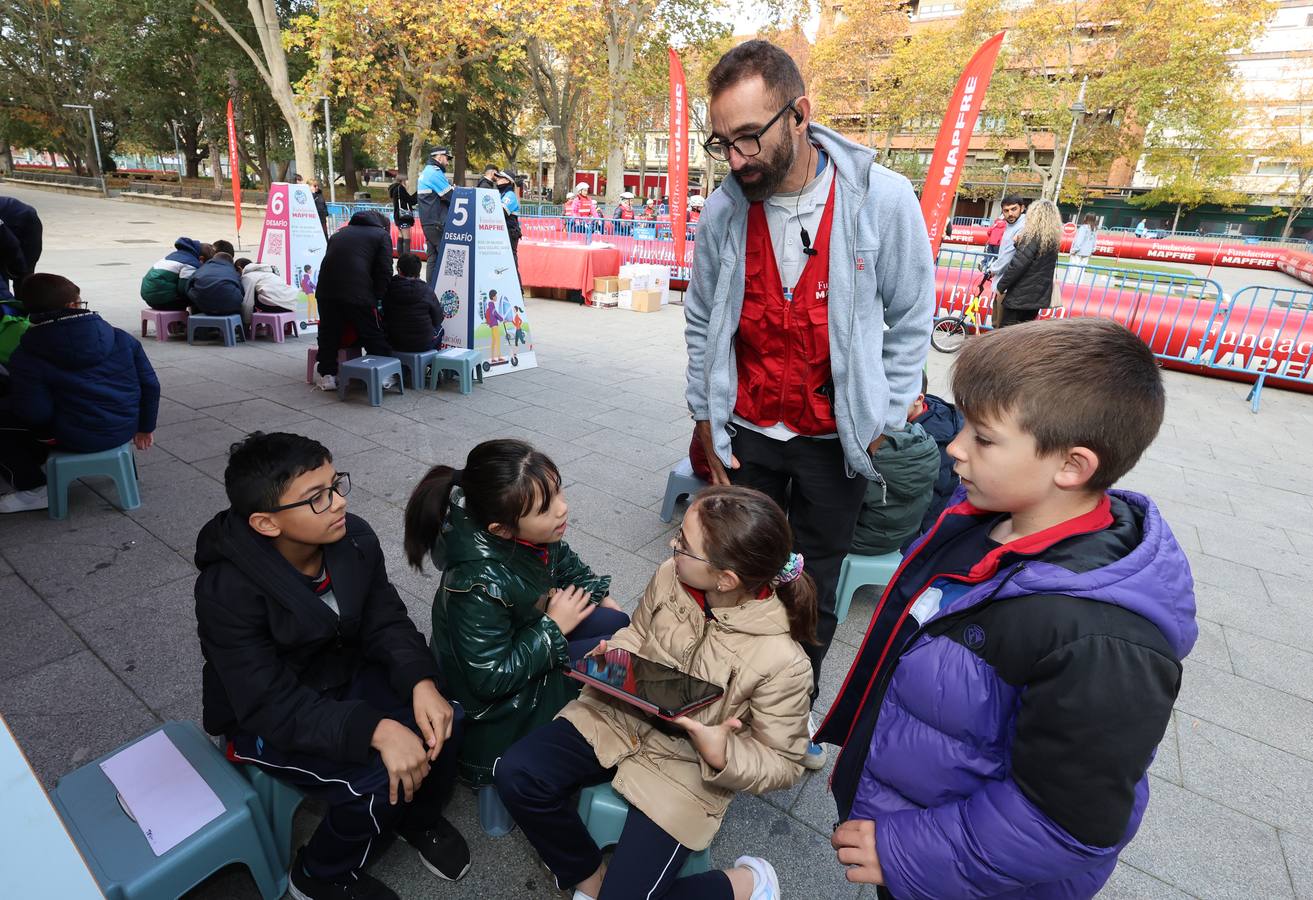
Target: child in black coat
(412,318)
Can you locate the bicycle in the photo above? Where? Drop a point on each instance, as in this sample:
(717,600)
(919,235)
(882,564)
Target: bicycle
(949,333)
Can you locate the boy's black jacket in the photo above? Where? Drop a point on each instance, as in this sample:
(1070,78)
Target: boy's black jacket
(277,659)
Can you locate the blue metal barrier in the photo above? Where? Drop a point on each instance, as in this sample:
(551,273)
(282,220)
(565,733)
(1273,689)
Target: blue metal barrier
(1266,332)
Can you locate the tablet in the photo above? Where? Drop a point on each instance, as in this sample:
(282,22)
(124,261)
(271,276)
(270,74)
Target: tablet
(652,687)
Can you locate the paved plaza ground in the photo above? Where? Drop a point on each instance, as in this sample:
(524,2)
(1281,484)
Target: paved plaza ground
(98,641)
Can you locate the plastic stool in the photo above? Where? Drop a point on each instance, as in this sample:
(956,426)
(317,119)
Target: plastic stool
(122,861)
(681,482)
(494,817)
(373,371)
(229,327)
(279,800)
(312,357)
(465,363)
(416,365)
(275,323)
(63,468)
(604,813)
(859,571)
(164,319)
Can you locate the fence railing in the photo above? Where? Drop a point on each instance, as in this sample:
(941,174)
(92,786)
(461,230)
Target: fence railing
(188,191)
(56,178)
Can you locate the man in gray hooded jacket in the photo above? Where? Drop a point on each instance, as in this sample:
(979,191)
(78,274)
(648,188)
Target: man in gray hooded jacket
(808,311)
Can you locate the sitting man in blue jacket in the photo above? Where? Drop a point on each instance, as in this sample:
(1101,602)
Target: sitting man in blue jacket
(75,383)
(216,288)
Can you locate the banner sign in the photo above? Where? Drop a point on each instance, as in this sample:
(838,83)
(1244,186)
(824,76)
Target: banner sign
(478,286)
(234,168)
(677,155)
(293,242)
(949,158)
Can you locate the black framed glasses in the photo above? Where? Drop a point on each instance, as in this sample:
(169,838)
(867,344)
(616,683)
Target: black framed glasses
(677,549)
(321,500)
(749,145)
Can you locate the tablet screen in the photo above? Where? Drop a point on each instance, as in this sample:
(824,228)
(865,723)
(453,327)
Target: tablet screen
(648,685)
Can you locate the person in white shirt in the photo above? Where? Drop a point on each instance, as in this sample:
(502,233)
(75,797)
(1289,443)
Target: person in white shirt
(1082,246)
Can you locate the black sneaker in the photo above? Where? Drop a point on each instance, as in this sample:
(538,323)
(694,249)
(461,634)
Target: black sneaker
(442,850)
(363,887)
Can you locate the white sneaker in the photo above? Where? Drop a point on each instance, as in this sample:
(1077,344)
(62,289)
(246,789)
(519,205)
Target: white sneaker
(765,883)
(580,895)
(24,501)
(393,383)
(815,757)
(326,382)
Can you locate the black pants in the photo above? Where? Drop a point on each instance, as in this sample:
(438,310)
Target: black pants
(22,453)
(538,778)
(360,823)
(178,305)
(809,479)
(332,318)
(1016,316)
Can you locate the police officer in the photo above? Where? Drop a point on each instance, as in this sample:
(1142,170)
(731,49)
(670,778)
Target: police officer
(434,193)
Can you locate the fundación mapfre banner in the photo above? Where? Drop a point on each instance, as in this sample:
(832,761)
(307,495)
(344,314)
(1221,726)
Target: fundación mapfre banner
(677,176)
(946,164)
(293,242)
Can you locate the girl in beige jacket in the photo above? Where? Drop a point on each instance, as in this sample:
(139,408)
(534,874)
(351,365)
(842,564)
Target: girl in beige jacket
(730,608)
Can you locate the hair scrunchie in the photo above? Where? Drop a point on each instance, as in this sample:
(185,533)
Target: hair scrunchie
(792,569)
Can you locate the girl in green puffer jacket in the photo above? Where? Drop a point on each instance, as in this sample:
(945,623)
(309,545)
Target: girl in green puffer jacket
(515,605)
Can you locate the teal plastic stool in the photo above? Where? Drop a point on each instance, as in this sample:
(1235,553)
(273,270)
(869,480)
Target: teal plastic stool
(859,571)
(62,469)
(604,813)
(416,365)
(279,800)
(229,327)
(373,371)
(123,863)
(494,818)
(681,482)
(464,363)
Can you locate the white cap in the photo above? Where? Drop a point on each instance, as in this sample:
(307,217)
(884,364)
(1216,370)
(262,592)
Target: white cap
(697,200)
(570,195)
(627,195)
(581,186)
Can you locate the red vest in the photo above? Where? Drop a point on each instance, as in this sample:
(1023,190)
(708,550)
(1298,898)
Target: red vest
(783,345)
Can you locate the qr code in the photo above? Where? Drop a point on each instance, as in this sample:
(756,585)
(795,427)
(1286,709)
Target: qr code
(275,246)
(454,263)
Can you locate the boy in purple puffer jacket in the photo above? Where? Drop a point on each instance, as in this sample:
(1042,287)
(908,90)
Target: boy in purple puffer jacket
(1020,669)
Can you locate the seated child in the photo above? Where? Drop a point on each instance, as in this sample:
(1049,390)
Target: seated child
(942,421)
(13,324)
(263,289)
(75,383)
(730,608)
(412,318)
(906,465)
(515,604)
(314,671)
(165,285)
(216,288)
(1017,676)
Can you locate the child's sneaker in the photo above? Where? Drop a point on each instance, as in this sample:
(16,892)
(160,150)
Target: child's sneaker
(326,382)
(765,883)
(442,850)
(24,501)
(363,886)
(816,755)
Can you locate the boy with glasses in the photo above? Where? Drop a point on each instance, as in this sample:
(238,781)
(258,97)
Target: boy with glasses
(314,671)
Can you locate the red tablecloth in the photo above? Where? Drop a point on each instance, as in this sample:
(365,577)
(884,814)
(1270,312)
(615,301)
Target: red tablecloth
(570,266)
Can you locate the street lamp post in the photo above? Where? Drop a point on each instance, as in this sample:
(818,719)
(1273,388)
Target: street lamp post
(1007,172)
(177,153)
(328,151)
(95,138)
(1077,110)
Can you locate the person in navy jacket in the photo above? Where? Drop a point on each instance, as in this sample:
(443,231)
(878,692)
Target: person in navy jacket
(1020,669)
(216,288)
(75,383)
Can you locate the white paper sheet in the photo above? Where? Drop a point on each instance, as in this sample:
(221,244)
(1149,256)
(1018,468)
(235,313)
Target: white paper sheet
(162,791)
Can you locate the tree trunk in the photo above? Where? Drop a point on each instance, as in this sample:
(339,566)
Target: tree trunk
(403,153)
(261,135)
(6,156)
(1177,218)
(216,165)
(563,175)
(642,163)
(460,161)
(347,142)
(615,159)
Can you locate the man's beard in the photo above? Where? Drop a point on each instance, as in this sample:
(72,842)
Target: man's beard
(773,172)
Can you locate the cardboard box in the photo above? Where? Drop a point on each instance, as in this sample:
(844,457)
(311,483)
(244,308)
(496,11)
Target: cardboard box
(625,299)
(605,299)
(647,301)
(605,285)
(623,284)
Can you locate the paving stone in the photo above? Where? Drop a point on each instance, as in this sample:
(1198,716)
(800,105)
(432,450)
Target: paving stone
(382,472)
(1268,557)
(1279,617)
(803,858)
(615,520)
(190,441)
(640,486)
(1129,883)
(1299,862)
(76,577)
(175,510)
(257,414)
(1207,850)
(1284,720)
(1210,649)
(149,641)
(1167,759)
(205,393)
(33,634)
(557,424)
(172,412)
(1246,775)
(68,712)
(339,442)
(634,451)
(1267,662)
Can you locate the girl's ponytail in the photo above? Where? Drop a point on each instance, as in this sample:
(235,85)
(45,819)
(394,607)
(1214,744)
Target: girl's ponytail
(799,599)
(425,512)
